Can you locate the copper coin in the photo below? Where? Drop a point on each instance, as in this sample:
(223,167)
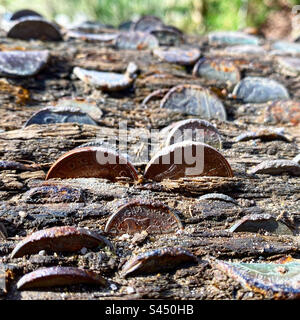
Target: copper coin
(158,260)
(92,162)
(194,100)
(22,63)
(24,13)
(34,28)
(59,239)
(59,276)
(195,130)
(136,40)
(187,159)
(147,24)
(138,215)
(185,57)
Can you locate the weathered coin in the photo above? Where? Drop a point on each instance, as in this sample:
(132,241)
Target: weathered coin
(147,24)
(231,38)
(187,159)
(136,40)
(185,57)
(59,276)
(259,90)
(59,239)
(217,196)
(240,50)
(264,134)
(138,215)
(285,47)
(216,69)
(92,37)
(194,100)
(194,130)
(22,63)
(289,65)
(287,111)
(60,115)
(168,36)
(276,167)
(92,162)
(34,28)
(24,13)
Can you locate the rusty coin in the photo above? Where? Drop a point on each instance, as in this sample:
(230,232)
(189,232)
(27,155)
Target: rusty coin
(187,159)
(194,130)
(92,162)
(283,112)
(59,239)
(138,215)
(194,100)
(59,276)
(136,40)
(185,57)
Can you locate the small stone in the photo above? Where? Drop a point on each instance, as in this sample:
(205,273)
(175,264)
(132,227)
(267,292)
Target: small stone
(23,214)
(83,250)
(42,253)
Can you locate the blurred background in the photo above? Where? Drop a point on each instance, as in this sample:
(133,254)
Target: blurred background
(272,17)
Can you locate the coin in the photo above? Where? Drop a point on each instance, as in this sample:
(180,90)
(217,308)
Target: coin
(147,23)
(276,167)
(180,56)
(24,13)
(136,40)
(283,112)
(231,38)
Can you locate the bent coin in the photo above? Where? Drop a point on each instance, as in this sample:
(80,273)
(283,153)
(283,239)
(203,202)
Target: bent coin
(185,57)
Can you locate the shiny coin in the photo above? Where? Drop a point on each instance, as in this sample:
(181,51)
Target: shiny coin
(187,159)
(22,63)
(139,215)
(59,276)
(194,100)
(157,260)
(259,90)
(194,130)
(216,69)
(184,57)
(92,162)
(276,167)
(59,239)
(231,38)
(60,115)
(34,28)
(135,40)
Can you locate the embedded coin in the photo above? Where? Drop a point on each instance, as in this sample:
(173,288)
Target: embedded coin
(185,57)
(231,38)
(136,40)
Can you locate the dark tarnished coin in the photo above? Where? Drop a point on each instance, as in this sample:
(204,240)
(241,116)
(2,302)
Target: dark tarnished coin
(59,276)
(87,107)
(217,196)
(185,57)
(109,81)
(60,115)
(24,13)
(297,159)
(262,134)
(283,112)
(257,222)
(194,130)
(231,38)
(59,239)
(259,90)
(289,65)
(187,159)
(276,167)
(92,162)
(285,47)
(147,24)
(135,40)
(34,28)
(22,63)
(167,36)
(216,69)
(100,37)
(281,279)
(157,260)
(138,215)
(194,100)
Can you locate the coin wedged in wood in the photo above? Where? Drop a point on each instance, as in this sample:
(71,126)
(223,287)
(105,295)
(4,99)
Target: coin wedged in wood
(217,196)
(59,239)
(155,95)
(259,90)
(280,279)
(147,24)
(185,57)
(34,28)
(285,47)
(87,107)
(109,81)
(22,63)
(168,36)
(276,167)
(231,38)
(24,13)
(60,115)
(92,37)
(289,65)
(264,134)
(139,215)
(59,276)
(187,159)
(239,50)
(194,130)
(136,40)
(217,69)
(157,260)
(285,111)
(92,162)
(194,100)
(257,222)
